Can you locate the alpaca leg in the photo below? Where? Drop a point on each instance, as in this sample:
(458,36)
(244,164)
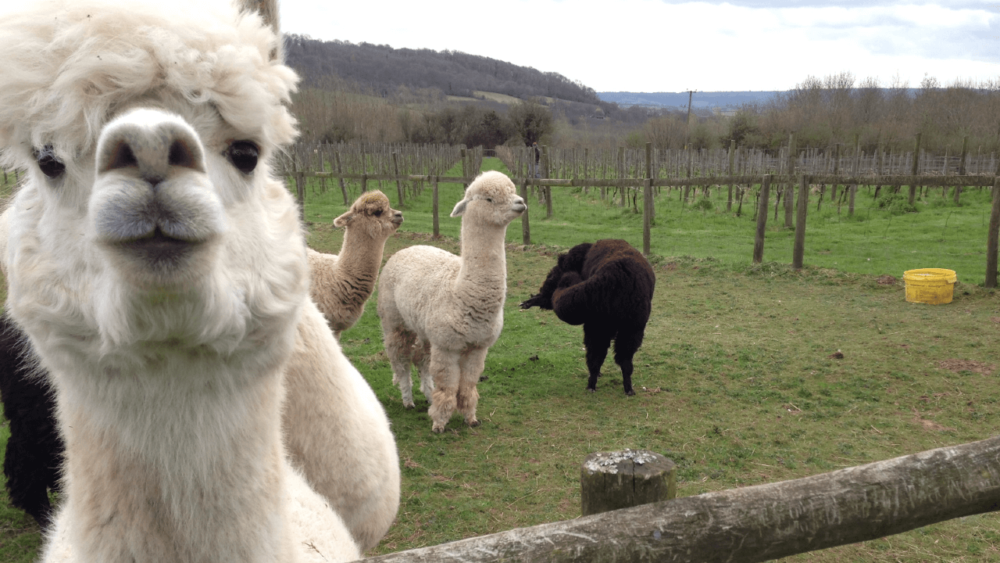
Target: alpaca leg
(444,368)
(597,340)
(422,358)
(472,364)
(399,348)
(626,344)
(26,483)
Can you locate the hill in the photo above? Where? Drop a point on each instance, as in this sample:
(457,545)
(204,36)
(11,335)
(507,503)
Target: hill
(702,100)
(383,70)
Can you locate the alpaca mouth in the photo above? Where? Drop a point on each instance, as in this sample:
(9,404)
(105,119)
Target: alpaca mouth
(159,249)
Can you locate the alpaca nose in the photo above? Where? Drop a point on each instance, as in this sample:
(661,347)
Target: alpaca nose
(152,143)
(397,218)
(152,181)
(519,205)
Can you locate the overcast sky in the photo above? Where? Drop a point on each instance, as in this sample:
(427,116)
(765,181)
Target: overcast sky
(671,46)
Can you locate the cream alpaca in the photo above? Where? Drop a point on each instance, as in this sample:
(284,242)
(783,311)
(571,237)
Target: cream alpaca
(341,284)
(159,273)
(442,312)
(337,433)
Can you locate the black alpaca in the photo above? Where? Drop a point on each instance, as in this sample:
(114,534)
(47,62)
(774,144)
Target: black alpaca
(608,288)
(34,452)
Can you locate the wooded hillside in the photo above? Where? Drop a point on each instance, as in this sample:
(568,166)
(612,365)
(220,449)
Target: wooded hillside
(383,69)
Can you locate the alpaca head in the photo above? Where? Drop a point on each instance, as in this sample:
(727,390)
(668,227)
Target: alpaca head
(148,220)
(491,199)
(372,215)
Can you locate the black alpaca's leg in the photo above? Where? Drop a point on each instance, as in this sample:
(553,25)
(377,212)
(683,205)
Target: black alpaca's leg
(626,344)
(26,479)
(597,341)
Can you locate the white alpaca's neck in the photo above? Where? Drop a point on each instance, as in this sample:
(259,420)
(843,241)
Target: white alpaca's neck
(484,259)
(180,461)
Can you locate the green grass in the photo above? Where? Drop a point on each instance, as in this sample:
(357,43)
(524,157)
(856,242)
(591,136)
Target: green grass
(872,241)
(735,380)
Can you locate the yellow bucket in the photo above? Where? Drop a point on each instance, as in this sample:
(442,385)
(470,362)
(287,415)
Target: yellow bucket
(930,285)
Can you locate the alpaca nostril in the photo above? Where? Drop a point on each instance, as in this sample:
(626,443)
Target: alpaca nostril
(122,157)
(181,155)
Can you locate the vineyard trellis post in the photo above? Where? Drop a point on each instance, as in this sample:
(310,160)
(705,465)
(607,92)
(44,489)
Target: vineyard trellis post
(758,243)
(914,169)
(399,184)
(647,201)
(732,157)
(798,252)
(525,227)
(790,185)
(435,213)
(991,237)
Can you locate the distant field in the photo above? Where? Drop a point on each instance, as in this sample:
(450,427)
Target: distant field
(735,380)
(873,242)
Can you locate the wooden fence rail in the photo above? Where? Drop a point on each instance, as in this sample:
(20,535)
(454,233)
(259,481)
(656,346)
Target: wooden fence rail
(757,523)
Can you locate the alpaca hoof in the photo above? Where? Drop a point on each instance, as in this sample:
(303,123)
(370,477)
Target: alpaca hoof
(437,429)
(592,389)
(630,393)
(409,405)
(474,423)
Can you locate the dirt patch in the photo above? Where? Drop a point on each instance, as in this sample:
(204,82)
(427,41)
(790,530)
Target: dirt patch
(887,280)
(929,425)
(957,366)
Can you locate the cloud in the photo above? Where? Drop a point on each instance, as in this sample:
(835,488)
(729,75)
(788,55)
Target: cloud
(657,45)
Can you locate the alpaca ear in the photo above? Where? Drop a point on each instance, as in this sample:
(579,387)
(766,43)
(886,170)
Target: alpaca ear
(344,219)
(459,208)
(268,10)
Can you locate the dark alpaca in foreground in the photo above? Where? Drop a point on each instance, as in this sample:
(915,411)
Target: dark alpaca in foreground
(34,450)
(607,287)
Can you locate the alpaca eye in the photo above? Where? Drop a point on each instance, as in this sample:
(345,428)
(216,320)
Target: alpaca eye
(48,163)
(378,213)
(243,155)
(489,199)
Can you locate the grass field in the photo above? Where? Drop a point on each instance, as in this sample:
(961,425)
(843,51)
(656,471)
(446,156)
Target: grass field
(735,381)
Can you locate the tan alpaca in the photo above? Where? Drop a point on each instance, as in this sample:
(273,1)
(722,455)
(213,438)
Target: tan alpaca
(161,274)
(342,283)
(443,312)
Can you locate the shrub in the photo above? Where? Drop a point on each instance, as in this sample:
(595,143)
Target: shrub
(895,204)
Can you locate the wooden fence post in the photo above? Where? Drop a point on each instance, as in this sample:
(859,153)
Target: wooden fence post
(547,190)
(340,172)
(525,228)
(616,480)
(435,214)
(914,169)
(799,249)
(399,185)
(647,215)
(855,168)
(732,157)
(758,243)
(790,185)
(991,237)
(961,168)
(300,188)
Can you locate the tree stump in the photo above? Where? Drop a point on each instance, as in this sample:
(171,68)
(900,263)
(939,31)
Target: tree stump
(613,480)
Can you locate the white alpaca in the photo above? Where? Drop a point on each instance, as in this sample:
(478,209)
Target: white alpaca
(443,312)
(337,433)
(160,274)
(341,284)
